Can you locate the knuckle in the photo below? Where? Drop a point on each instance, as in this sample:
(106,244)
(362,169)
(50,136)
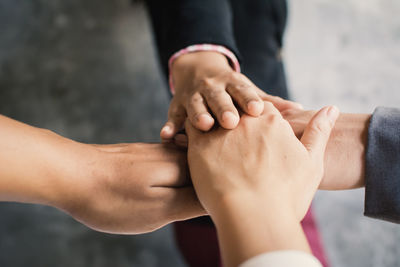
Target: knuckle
(196,99)
(205,84)
(215,94)
(243,87)
(319,128)
(273,118)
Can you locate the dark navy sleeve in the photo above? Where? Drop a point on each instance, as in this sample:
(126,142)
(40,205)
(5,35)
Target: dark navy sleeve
(382,173)
(178,24)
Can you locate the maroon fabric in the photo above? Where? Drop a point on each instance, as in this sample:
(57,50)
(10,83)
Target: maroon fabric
(199,244)
(314,239)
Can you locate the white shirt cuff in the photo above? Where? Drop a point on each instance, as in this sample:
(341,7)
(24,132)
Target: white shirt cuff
(284,258)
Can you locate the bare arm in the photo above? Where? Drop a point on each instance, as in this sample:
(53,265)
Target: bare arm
(124,188)
(345,154)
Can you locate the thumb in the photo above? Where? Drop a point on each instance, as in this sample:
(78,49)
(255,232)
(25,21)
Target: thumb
(176,119)
(318,130)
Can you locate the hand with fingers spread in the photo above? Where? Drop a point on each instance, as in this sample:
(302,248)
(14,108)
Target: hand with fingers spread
(258,180)
(207,90)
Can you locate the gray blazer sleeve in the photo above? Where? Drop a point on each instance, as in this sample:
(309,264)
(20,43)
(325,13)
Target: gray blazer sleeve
(382,173)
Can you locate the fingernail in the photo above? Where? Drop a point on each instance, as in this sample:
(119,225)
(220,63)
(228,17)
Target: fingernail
(333,113)
(166,129)
(228,116)
(254,107)
(204,117)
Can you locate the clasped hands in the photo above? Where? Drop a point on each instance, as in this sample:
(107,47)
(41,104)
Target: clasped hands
(152,181)
(137,188)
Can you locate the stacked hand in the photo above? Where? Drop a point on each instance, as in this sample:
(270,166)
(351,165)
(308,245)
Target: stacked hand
(206,89)
(135,188)
(257,181)
(123,188)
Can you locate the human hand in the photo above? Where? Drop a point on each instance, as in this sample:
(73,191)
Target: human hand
(123,188)
(345,152)
(262,160)
(133,188)
(206,87)
(257,181)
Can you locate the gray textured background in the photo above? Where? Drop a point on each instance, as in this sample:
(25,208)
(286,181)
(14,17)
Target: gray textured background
(86,69)
(347,53)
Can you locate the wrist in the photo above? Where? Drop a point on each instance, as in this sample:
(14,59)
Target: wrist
(248,227)
(79,173)
(344,160)
(192,60)
(230,205)
(345,153)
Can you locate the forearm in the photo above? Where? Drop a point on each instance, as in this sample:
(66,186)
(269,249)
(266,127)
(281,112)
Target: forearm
(246,230)
(345,154)
(37,165)
(121,188)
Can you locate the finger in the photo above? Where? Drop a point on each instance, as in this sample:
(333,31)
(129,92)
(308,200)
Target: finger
(246,96)
(220,103)
(176,118)
(280,103)
(184,204)
(318,130)
(181,140)
(198,114)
